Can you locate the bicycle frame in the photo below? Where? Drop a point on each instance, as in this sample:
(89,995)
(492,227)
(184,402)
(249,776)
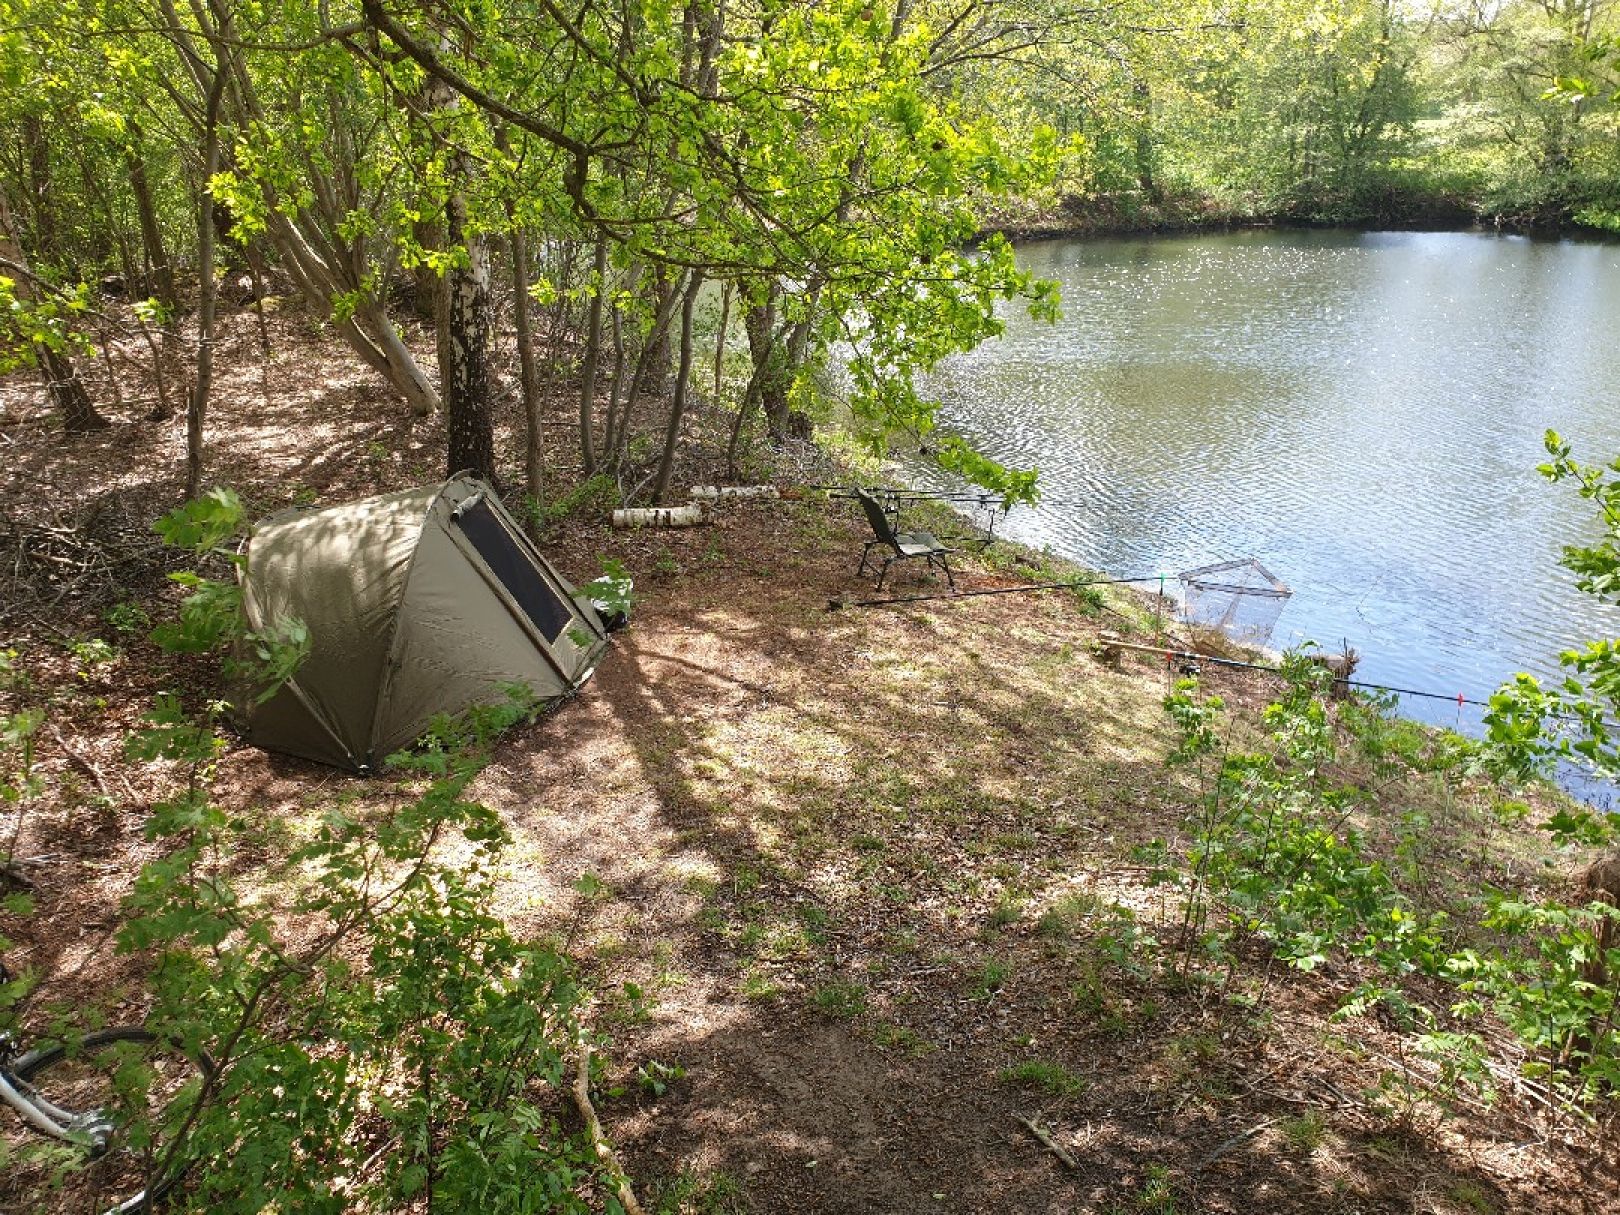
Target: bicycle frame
(88,1130)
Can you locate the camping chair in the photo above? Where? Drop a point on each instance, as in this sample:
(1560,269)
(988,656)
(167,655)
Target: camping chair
(905,545)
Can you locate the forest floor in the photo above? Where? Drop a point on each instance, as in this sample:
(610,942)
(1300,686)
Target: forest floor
(876,875)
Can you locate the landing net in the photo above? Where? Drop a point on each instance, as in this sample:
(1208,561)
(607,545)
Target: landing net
(1239,599)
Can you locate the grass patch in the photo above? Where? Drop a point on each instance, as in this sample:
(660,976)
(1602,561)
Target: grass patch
(990,978)
(890,1036)
(1064,918)
(840,1000)
(692,1193)
(1048,1077)
(1470,1196)
(1156,1196)
(1006,912)
(759,988)
(1305,1133)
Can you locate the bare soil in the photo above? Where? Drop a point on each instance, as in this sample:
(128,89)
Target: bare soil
(875,873)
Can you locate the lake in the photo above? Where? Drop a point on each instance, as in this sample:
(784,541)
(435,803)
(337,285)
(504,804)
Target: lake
(1361,411)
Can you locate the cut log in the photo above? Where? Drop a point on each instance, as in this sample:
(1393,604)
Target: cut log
(660,516)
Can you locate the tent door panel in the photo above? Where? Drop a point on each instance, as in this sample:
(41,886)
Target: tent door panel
(545,609)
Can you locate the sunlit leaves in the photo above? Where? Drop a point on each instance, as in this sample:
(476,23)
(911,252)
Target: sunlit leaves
(204,523)
(1529,725)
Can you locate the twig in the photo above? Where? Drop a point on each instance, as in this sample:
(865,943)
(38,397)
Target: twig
(376,1156)
(1291,1099)
(593,1127)
(89,768)
(1052,1145)
(46,624)
(1338,1092)
(1251,1086)
(1232,1144)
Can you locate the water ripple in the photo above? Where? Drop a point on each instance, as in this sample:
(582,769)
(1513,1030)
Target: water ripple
(1361,411)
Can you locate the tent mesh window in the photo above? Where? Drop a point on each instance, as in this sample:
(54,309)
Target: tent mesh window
(500,551)
(1241,599)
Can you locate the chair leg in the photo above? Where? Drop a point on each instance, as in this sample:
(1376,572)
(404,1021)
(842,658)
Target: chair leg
(949,577)
(884,575)
(866,553)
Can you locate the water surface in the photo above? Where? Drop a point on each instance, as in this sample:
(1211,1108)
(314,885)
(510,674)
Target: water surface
(1363,412)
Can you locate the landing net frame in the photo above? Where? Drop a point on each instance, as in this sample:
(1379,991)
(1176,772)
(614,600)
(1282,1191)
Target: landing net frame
(1240,599)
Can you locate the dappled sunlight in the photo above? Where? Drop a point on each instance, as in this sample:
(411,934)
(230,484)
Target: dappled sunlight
(854,890)
(855,867)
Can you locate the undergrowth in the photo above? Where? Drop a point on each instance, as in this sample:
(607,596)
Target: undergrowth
(1276,856)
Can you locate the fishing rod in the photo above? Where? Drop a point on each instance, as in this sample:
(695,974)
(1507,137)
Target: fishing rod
(834,605)
(908,495)
(984,497)
(895,489)
(1170,652)
(1460,699)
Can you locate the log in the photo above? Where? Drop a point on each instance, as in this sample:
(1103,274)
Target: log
(660,516)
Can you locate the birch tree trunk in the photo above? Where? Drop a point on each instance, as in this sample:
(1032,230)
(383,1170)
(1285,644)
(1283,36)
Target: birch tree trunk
(683,380)
(159,273)
(464,370)
(720,336)
(533,453)
(158,267)
(208,290)
(593,357)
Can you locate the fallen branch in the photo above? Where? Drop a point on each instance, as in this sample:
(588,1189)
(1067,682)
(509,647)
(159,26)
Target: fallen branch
(1232,1144)
(84,765)
(593,1127)
(1052,1145)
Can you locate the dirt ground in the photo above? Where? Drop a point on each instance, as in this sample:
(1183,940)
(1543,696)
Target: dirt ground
(876,873)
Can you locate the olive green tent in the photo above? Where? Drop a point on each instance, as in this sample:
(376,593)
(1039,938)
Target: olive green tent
(422,602)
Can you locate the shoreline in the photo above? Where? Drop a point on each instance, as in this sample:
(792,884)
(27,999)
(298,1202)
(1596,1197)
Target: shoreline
(1455,219)
(1037,565)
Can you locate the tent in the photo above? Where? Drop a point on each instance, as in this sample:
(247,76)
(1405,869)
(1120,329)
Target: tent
(417,603)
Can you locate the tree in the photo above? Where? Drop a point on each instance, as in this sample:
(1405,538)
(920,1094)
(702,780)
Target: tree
(36,330)
(686,137)
(323,190)
(464,320)
(1532,86)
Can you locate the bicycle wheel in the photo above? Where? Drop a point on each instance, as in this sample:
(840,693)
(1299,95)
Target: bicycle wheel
(127,1094)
